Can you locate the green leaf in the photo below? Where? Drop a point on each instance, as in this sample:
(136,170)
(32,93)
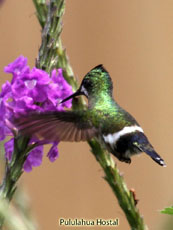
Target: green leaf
(168,210)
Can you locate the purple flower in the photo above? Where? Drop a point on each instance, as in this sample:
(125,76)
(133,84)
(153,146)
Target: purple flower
(53,152)
(34,84)
(31,90)
(6,89)
(2,131)
(63,89)
(34,159)
(4,113)
(9,149)
(19,66)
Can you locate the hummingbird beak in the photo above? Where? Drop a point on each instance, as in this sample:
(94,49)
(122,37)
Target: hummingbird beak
(77,93)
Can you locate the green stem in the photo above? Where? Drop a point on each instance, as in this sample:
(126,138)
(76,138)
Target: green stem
(119,188)
(52,55)
(13,171)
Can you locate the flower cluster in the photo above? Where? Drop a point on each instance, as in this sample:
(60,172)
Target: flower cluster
(31,90)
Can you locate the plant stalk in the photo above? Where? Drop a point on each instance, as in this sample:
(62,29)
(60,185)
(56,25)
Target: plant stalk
(13,171)
(52,55)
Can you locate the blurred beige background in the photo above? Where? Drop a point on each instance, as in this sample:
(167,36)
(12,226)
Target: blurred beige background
(134,40)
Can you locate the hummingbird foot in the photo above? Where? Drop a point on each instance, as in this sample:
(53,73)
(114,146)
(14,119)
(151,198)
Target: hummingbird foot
(125,159)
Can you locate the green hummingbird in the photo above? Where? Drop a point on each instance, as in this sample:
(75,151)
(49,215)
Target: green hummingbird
(103,119)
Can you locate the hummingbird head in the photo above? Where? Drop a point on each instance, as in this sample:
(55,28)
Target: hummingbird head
(96,82)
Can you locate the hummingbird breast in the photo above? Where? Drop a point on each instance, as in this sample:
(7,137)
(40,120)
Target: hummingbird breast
(121,143)
(116,128)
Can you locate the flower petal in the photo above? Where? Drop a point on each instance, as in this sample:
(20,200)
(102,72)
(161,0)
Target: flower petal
(53,152)
(9,146)
(34,158)
(31,90)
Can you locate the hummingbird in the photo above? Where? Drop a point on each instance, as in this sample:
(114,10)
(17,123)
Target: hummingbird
(103,118)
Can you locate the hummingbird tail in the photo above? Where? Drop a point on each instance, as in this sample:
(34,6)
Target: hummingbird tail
(149,151)
(155,157)
(146,147)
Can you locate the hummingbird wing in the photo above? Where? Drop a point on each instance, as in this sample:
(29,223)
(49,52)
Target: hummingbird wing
(57,126)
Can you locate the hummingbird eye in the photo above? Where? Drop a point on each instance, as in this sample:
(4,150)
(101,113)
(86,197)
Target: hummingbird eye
(87,83)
